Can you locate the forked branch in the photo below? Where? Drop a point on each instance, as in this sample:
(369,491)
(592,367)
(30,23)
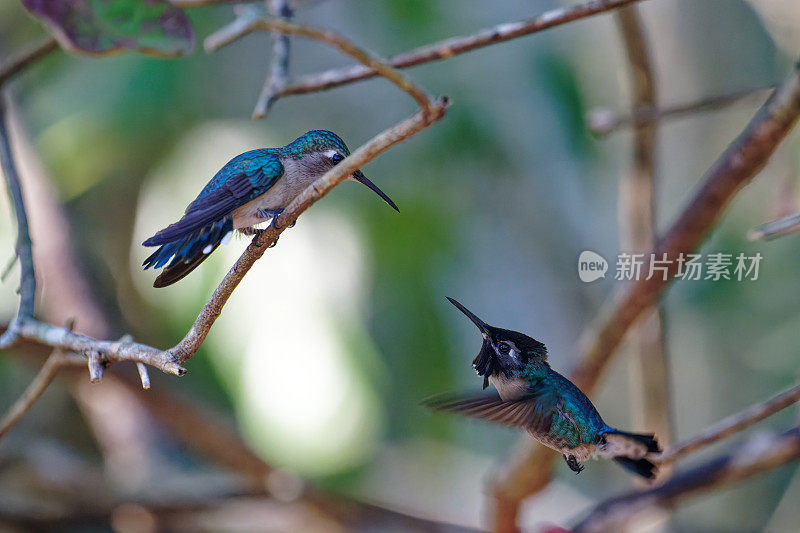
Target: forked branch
(455,46)
(250,19)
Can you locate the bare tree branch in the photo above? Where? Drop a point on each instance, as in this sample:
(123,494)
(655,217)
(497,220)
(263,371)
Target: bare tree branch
(250,19)
(731,425)
(755,456)
(604,121)
(27,57)
(637,221)
(105,352)
(279,62)
(454,46)
(775,229)
(24,248)
(742,160)
(34,391)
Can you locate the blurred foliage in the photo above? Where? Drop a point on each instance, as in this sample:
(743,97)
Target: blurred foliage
(97,27)
(324,353)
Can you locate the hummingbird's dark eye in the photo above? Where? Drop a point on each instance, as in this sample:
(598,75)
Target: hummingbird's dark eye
(504,347)
(336,158)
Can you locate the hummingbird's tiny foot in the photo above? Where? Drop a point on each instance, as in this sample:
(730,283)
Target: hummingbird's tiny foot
(273,214)
(573,464)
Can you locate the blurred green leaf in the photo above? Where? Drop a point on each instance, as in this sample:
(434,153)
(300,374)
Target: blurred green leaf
(559,80)
(99,27)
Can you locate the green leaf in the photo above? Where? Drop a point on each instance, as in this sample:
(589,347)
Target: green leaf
(99,27)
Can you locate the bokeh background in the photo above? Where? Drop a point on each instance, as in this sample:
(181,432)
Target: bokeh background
(323,354)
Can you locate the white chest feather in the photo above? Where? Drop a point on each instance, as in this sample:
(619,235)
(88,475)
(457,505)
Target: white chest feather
(509,389)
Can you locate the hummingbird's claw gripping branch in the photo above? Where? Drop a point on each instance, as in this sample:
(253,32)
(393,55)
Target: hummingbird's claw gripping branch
(531,470)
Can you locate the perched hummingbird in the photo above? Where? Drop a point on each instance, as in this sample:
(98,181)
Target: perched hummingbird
(251,188)
(533,396)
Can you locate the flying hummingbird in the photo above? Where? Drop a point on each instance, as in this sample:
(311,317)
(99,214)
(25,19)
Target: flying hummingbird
(533,396)
(251,188)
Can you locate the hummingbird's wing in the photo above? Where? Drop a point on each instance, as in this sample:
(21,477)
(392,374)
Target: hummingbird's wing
(533,411)
(244,178)
(208,220)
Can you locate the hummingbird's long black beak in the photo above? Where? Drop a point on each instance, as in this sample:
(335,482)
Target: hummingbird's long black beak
(361,178)
(483,326)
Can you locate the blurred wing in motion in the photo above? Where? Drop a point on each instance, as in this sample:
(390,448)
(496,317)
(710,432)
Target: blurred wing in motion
(526,412)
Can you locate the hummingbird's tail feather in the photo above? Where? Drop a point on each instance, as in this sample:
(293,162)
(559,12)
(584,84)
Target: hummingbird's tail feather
(642,467)
(630,450)
(187,251)
(638,440)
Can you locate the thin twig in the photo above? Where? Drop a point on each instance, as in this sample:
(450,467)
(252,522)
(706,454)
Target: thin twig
(24,247)
(637,221)
(755,456)
(455,46)
(33,392)
(371,149)
(529,473)
(26,57)
(95,364)
(777,228)
(250,19)
(144,375)
(9,267)
(279,62)
(731,425)
(604,121)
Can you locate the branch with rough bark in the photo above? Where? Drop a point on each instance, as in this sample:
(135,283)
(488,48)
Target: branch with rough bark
(759,454)
(250,19)
(454,46)
(531,469)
